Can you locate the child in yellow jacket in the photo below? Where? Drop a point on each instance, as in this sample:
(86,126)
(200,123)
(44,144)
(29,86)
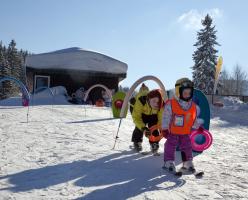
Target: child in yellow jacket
(147,112)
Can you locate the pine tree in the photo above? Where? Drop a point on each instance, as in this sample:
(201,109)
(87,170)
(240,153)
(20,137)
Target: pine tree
(205,57)
(23,55)
(5,71)
(15,63)
(1,59)
(1,70)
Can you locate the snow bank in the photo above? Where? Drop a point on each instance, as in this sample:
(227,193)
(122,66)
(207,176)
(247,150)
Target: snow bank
(50,96)
(234,112)
(44,96)
(12,101)
(234,103)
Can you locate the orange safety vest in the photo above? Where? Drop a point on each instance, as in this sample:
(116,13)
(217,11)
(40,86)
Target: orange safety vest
(182,120)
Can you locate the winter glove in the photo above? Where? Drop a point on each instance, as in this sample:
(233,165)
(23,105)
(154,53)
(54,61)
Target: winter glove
(146,131)
(165,133)
(200,129)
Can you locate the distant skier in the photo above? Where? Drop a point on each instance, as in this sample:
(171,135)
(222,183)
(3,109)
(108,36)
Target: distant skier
(147,110)
(179,117)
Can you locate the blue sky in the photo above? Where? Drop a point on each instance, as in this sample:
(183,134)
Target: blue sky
(154,37)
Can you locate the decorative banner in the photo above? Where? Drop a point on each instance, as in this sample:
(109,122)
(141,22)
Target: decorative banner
(117,101)
(218,67)
(217,73)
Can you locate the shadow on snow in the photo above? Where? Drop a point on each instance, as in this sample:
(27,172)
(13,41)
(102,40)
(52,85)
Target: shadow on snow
(119,176)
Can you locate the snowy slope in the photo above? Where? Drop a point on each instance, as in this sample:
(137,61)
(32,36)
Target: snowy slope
(65,153)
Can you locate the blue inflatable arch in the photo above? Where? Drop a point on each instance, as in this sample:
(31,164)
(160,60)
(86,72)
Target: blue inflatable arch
(19,83)
(25,93)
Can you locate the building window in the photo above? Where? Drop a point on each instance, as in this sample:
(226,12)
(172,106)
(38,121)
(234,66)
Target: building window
(42,81)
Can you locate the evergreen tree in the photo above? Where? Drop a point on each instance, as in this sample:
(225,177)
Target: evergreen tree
(1,59)
(1,70)
(12,63)
(14,59)
(15,63)
(205,57)
(5,87)
(23,55)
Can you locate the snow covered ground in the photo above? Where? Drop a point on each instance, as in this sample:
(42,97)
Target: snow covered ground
(66,153)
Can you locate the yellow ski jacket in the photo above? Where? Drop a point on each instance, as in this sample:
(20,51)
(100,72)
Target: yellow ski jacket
(143,112)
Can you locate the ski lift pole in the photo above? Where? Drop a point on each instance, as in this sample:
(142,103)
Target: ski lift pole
(116,137)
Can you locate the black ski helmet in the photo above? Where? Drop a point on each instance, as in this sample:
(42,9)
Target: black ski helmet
(181,85)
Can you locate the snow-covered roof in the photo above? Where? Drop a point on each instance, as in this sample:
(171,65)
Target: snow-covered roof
(76,59)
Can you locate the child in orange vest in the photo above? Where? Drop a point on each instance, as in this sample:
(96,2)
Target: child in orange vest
(179,116)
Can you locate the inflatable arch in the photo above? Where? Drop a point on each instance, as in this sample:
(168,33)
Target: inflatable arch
(25,93)
(135,85)
(97,85)
(129,94)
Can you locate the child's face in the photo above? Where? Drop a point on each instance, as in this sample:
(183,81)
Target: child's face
(154,102)
(187,93)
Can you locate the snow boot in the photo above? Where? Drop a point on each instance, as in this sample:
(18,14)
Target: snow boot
(188,166)
(170,166)
(137,146)
(154,148)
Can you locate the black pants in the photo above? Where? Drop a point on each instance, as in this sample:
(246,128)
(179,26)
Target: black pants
(149,120)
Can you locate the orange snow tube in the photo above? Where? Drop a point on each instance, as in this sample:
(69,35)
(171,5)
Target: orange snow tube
(153,138)
(100,103)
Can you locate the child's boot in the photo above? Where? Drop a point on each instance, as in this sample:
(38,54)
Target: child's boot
(170,165)
(189,166)
(137,146)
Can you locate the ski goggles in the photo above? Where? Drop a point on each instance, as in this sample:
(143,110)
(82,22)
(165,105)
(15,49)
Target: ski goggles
(186,84)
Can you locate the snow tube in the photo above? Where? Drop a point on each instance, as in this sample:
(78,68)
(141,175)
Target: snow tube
(201,100)
(153,138)
(201,141)
(100,103)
